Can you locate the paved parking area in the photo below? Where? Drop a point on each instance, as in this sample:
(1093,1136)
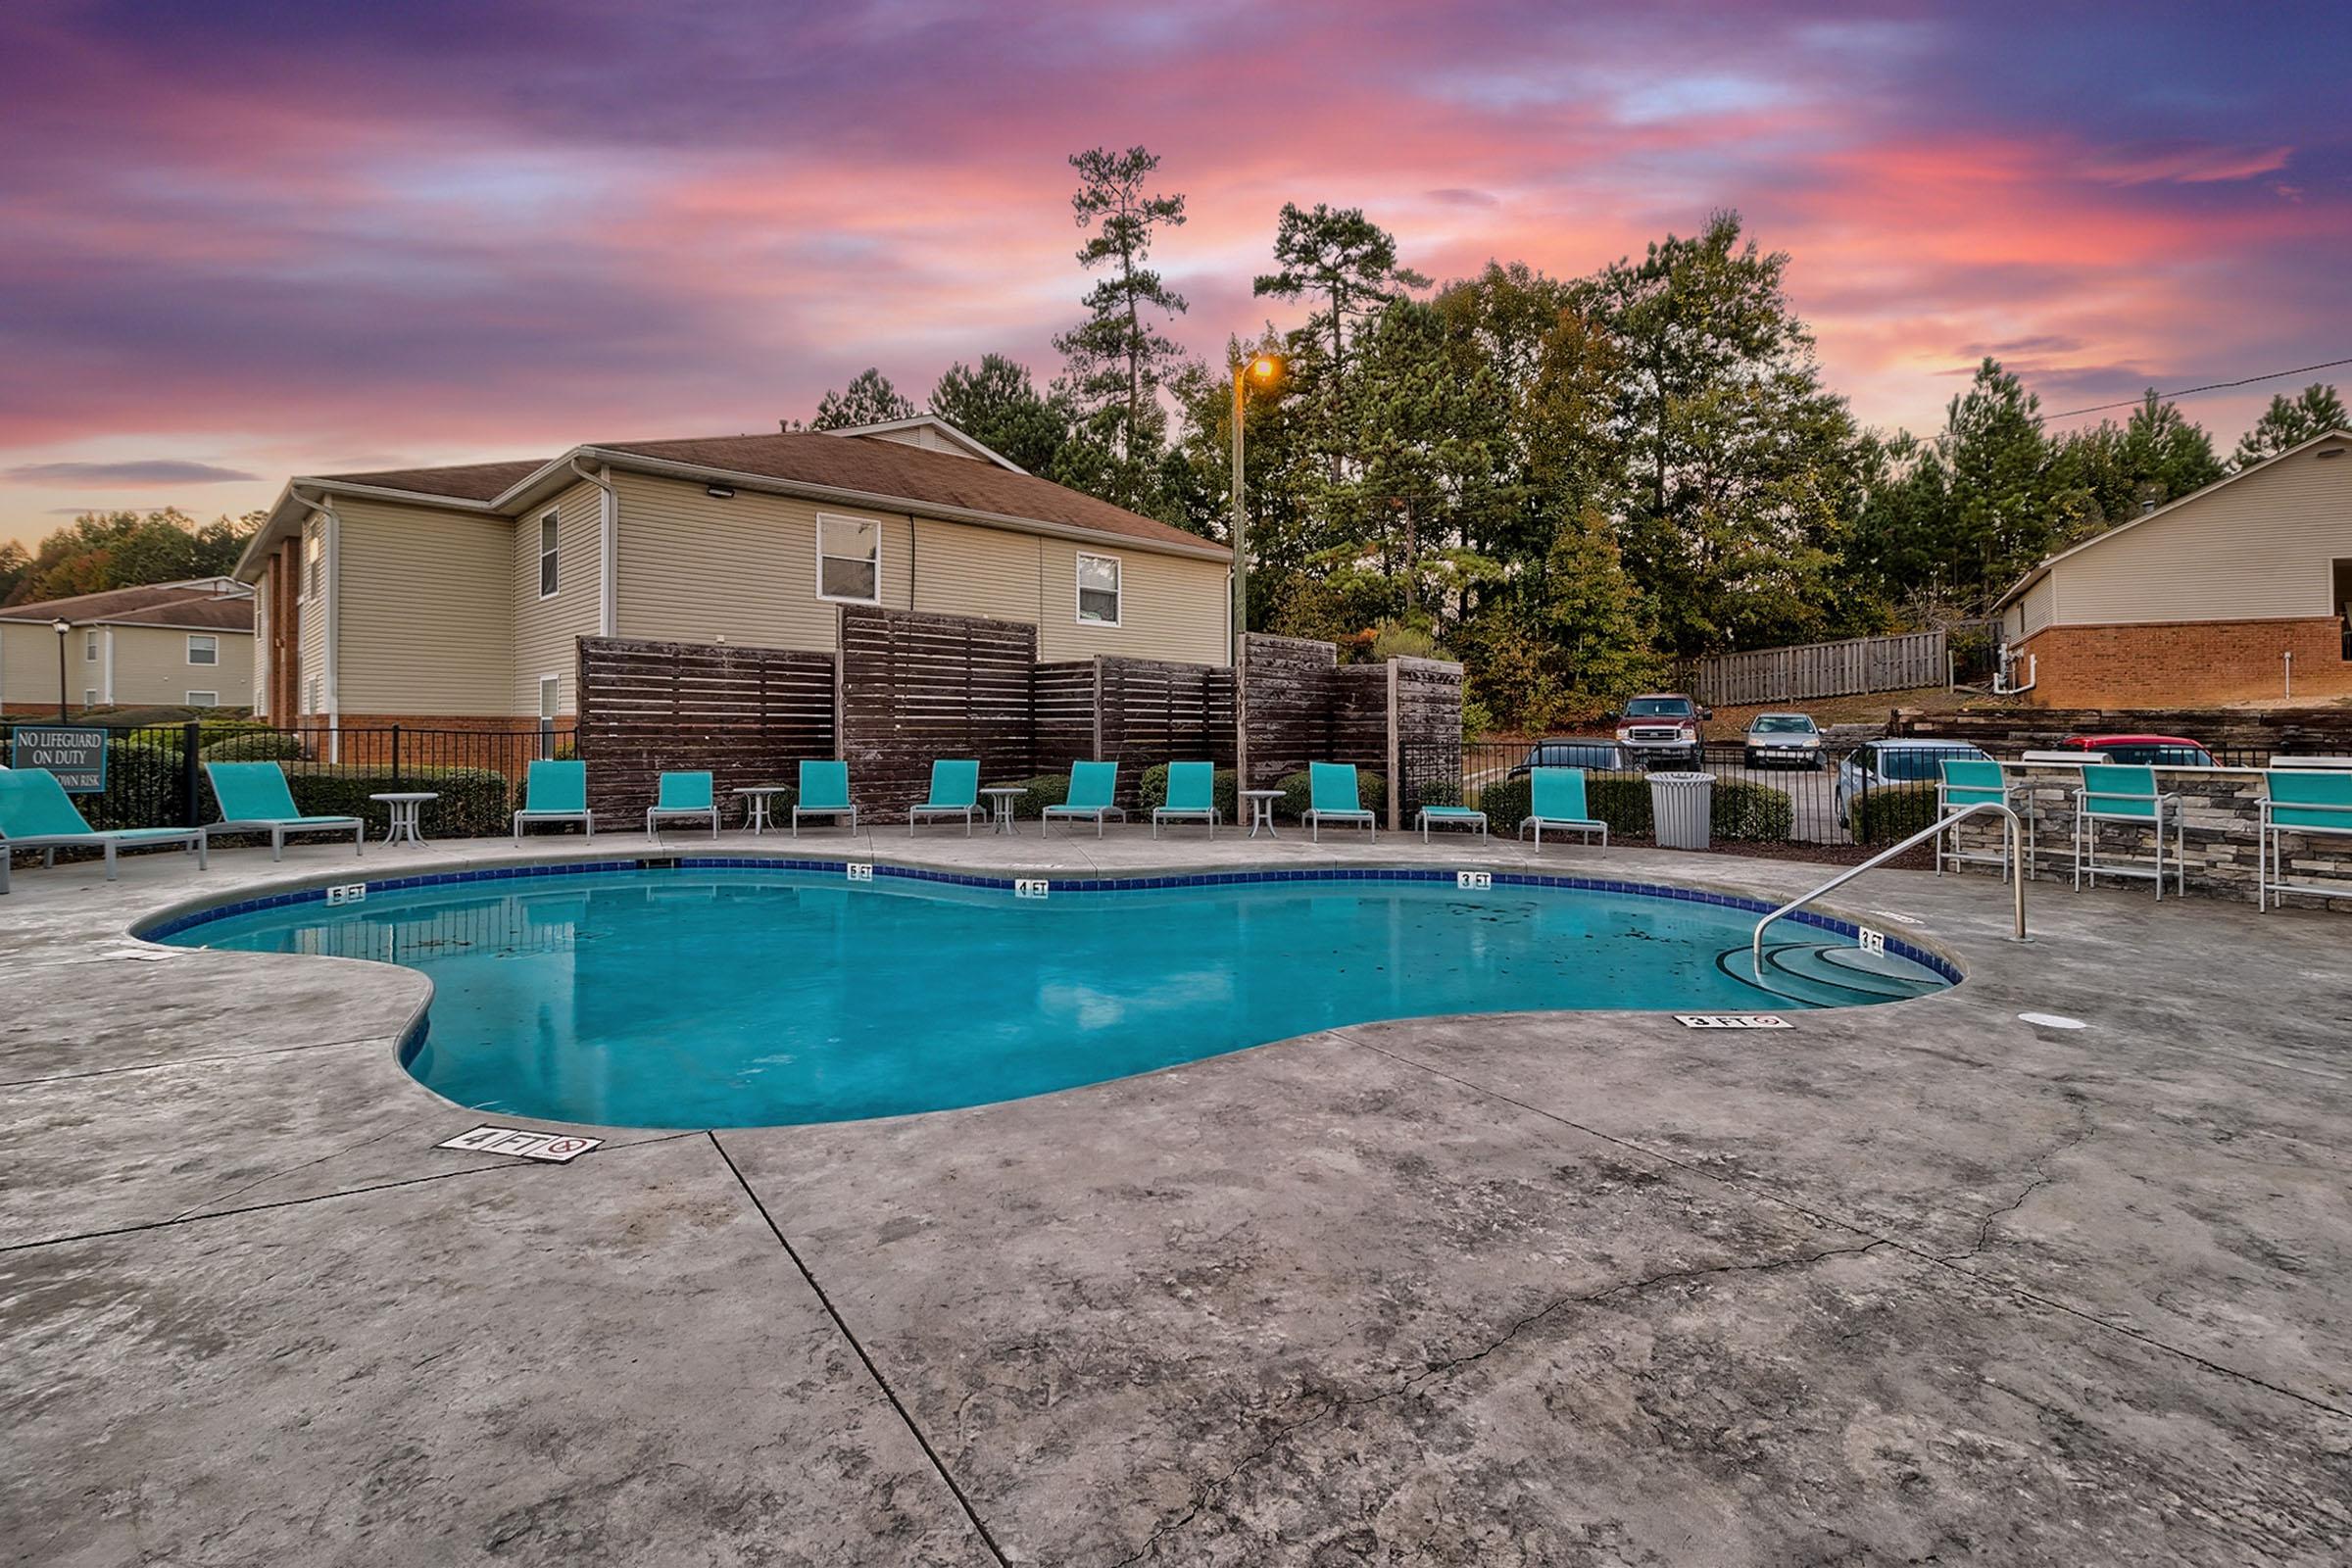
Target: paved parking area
(1919,1283)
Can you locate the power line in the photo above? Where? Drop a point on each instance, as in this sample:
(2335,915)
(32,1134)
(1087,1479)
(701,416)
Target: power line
(2217,386)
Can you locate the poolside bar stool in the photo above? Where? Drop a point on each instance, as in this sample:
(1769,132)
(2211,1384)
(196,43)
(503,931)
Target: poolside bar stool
(2111,793)
(1966,782)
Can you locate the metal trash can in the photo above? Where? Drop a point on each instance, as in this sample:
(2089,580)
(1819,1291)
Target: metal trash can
(1681,805)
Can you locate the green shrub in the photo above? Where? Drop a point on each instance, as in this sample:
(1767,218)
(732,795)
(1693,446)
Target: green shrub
(1298,793)
(1046,789)
(253,746)
(1224,790)
(476,802)
(1741,811)
(1888,813)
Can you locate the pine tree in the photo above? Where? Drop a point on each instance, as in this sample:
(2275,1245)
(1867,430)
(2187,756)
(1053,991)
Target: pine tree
(2289,423)
(868,399)
(1118,359)
(998,405)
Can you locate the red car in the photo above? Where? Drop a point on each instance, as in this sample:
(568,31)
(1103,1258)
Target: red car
(2143,751)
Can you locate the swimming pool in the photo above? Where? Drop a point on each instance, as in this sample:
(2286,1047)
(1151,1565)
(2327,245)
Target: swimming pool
(731,994)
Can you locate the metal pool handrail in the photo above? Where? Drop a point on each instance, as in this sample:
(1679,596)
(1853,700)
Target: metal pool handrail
(2013,837)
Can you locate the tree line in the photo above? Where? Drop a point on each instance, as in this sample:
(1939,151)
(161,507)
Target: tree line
(102,550)
(1567,483)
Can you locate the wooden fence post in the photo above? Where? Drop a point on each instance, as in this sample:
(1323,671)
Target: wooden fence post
(1396,766)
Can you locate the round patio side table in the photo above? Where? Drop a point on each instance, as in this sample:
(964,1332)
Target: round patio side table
(404,807)
(1000,807)
(1262,811)
(756,814)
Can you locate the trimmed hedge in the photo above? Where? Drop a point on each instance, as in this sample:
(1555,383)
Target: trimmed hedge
(1743,812)
(1298,793)
(476,802)
(1046,789)
(1225,791)
(254,746)
(1889,814)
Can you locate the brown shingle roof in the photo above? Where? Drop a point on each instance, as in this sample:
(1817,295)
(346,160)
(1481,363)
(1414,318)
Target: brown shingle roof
(895,469)
(471,481)
(152,605)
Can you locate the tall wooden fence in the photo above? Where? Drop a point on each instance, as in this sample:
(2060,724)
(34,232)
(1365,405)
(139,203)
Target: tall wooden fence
(916,686)
(746,714)
(1398,719)
(1901,662)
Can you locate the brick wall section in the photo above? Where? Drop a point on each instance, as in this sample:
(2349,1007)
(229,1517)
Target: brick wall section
(2220,807)
(2185,662)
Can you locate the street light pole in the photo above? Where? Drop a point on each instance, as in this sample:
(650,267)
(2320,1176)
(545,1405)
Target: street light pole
(63,628)
(1265,367)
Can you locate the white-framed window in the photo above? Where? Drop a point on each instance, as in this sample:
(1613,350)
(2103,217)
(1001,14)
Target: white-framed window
(315,699)
(550,555)
(89,697)
(204,699)
(849,560)
(203,648)
(551,706)
(89,647)
(1098,590)
(313,562)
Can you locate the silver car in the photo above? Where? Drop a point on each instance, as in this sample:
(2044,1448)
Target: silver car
(1782,740)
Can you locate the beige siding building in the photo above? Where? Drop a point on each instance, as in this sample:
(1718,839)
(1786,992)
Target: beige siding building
(2240,592)
(166,645)
(458,596)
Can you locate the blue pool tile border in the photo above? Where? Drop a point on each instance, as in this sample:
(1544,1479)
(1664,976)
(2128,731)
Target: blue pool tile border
(1061,887)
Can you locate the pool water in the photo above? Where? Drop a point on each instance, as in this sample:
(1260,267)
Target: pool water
(683,998)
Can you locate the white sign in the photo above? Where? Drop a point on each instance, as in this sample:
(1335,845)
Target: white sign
(1474,881)
(347,893)
(1030,887)
(860,872)
(1873,942)
(559,1148)
(1731,1020)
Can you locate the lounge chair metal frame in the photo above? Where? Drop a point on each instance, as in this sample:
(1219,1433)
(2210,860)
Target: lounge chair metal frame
(2270,860)
(1951,797)
(277,826)
(1586,825)
(1339,775)
(848,807)
(105,840)
(657,812)
(1098,806)
(2151,807)
(1209,813)
(530,815)
(1463,815)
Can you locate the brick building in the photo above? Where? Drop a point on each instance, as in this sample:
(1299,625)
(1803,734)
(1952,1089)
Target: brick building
(2240,592)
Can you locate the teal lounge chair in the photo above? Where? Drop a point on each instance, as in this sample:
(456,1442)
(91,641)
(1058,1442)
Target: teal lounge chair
(682,796)
(1555,799)
(1192,797)
(954,792)
(1331,797)
(2298,801)
(555,792)
(1968,782)
(2114,793)
(1092,787)
(254,799)
(825,791)
(36,814)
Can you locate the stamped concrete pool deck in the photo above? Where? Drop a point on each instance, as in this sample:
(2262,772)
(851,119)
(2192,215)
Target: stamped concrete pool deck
(1908,1284)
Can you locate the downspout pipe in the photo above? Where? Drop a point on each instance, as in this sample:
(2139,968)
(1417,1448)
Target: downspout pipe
(324,508)
(608,549)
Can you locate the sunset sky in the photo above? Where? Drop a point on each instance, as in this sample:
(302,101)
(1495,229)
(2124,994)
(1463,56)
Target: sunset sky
(246,239)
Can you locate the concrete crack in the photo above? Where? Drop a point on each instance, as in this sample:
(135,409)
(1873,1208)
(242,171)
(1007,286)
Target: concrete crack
(2041,1178)
(1329,1406)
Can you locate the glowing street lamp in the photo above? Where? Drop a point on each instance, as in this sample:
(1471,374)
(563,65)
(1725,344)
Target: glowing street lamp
(1266,371)
(63,628)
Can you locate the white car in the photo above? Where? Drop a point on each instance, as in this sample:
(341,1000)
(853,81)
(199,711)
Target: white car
(1782,740)
(1900,764)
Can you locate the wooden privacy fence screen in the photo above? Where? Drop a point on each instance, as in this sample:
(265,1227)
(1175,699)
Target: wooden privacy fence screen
(746,714)
(1401,718)
(1149,712)
(1901,662)
(916,687)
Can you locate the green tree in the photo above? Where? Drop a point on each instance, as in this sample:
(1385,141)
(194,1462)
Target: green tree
(99,550)
(2164,454)
(868,399)
(15,561)
(1340,257)
(2289,423)
(1118,359)
(998,405)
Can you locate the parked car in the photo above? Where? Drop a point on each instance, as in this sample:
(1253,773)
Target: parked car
(1663,727)
(1595,754)
(2143,751)
(1897,762)
(1780,740)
